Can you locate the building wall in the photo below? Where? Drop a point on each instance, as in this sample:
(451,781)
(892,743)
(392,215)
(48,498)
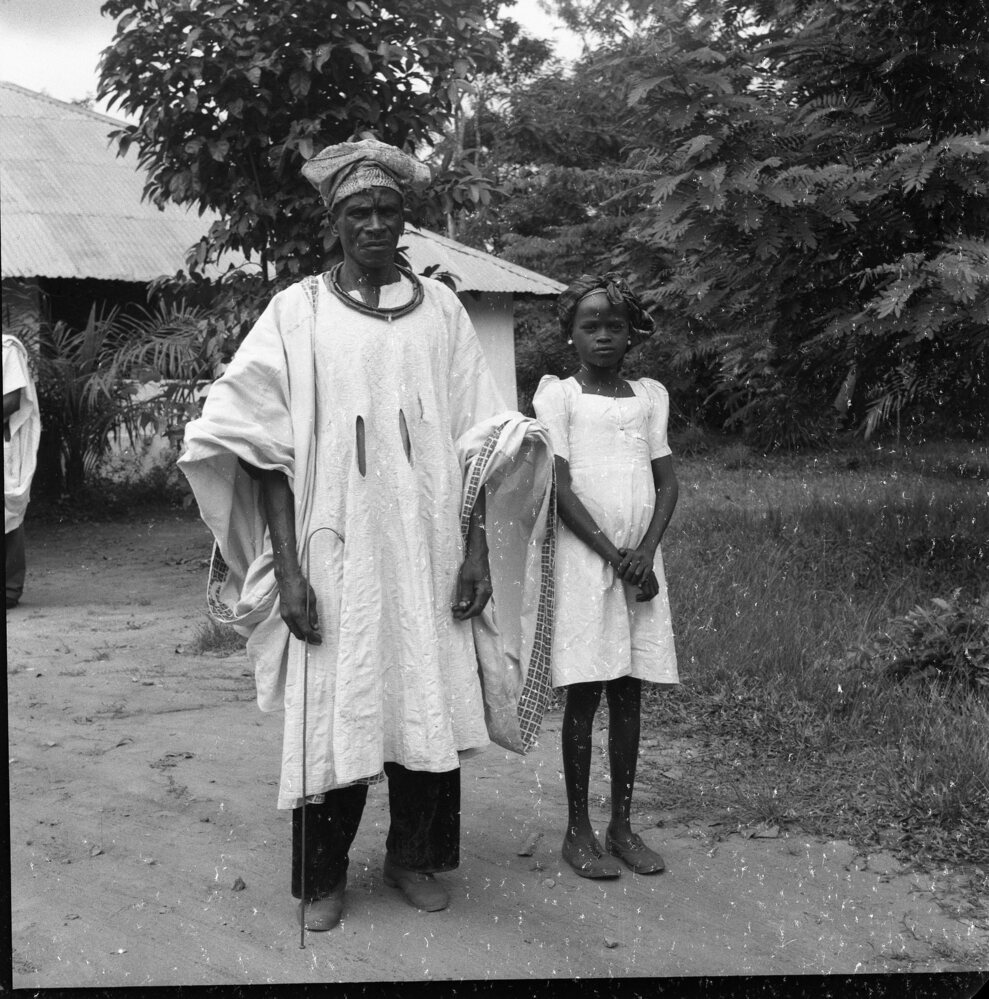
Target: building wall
(492,316)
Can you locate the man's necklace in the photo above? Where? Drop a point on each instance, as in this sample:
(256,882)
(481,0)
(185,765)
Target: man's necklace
(371,310)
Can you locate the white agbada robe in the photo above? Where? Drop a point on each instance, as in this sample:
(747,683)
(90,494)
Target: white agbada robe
(396,677)
(20,452)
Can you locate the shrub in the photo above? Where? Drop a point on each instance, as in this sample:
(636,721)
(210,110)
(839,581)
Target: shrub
(123,484)
(216,639)
(943,645)
(737,456)
(91,384)
(691,440)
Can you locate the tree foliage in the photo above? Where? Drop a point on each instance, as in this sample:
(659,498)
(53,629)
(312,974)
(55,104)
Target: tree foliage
(473,190)
(552,144)
(800,189)
(822,177)
(232,96)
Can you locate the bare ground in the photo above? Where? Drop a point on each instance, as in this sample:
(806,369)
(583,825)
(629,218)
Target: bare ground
(146,848)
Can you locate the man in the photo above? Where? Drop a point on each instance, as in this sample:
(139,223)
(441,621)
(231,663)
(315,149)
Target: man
(329,462)
(21,432)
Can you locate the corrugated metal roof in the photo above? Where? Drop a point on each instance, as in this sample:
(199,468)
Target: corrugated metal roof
(72,208)
(474,270)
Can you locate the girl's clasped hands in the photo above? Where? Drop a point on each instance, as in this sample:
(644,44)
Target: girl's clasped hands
(636,568)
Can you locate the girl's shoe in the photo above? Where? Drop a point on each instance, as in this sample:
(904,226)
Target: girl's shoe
(590,862)
(636,855)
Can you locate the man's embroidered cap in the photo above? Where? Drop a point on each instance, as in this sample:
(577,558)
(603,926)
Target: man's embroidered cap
(348,168)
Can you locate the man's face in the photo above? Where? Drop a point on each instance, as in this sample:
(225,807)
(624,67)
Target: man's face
(369,226)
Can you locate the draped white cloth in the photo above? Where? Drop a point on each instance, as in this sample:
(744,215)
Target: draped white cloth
(396,677)
(20,452)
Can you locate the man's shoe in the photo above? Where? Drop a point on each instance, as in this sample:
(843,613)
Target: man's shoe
(590,862)
(324,913)
(421,890)
(636,854)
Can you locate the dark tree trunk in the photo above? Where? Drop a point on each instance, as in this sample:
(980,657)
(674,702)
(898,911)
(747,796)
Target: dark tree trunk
(49,479)
(75,470)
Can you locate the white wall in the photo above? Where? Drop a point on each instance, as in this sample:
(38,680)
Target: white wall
(492,316)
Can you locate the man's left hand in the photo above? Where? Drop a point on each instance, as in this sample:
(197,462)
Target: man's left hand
(473,588)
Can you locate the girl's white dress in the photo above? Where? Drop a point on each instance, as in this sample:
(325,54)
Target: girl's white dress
(601,632)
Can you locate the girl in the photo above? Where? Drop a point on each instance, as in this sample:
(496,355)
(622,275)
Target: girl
(616,490)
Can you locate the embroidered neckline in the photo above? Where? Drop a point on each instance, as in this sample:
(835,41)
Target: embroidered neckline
(371,310)
(609,394)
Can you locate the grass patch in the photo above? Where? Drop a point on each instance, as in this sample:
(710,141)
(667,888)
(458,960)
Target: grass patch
(215,639)
(794,586)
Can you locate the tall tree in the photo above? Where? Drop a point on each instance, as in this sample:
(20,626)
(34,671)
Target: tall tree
(465,142)
(817,178)
(558,142)
(231,96)
(799,187)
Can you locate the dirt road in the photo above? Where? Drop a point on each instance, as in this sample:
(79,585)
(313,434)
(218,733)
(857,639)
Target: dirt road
(146,848)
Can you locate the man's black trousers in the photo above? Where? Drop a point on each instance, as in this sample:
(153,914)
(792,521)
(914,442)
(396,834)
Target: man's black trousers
(424,833)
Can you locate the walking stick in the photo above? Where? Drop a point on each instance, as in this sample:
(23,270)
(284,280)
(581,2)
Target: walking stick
(305,707)
(305,692)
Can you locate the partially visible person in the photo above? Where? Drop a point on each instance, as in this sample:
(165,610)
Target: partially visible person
(616,491)
(21,433)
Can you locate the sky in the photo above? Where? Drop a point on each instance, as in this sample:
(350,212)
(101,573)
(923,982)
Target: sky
(54,45)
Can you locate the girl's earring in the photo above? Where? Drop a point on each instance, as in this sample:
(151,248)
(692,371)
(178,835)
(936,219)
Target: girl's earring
(570,342)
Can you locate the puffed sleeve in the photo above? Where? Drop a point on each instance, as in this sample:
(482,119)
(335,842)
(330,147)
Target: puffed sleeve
(550,404)
(659,415)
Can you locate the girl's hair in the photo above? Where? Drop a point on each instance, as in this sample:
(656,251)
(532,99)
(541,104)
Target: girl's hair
(641,324)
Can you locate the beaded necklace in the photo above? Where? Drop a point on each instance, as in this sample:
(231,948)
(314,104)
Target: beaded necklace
(371,310)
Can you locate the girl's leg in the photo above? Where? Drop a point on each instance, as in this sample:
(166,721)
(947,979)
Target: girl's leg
(578,721)
(624,696)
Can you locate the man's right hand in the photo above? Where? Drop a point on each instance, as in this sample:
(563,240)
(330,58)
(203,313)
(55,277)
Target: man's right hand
(293,593)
